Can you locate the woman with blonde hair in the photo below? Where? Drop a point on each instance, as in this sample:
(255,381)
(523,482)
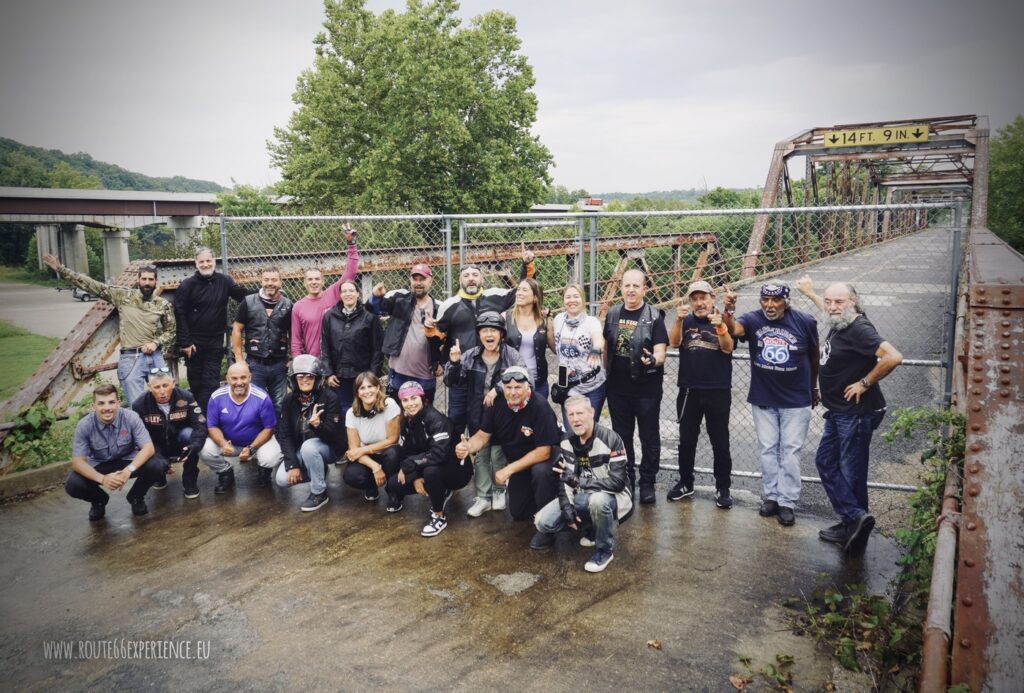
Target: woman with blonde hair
(578,342)
(373,424)
(527,329)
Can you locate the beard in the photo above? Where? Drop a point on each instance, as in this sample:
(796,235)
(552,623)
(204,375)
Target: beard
(843,320)
(207,273)
(147,291)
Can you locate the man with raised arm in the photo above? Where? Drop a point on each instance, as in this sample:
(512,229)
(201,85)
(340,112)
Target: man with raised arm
(146,325)
(308,311)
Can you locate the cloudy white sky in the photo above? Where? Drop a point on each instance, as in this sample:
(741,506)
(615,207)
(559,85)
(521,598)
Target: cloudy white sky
(634,96)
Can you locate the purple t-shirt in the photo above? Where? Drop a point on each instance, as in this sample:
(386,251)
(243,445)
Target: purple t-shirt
(780,358)
(241,422)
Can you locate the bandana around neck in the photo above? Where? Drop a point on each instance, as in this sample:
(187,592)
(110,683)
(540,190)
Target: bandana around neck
(471,297)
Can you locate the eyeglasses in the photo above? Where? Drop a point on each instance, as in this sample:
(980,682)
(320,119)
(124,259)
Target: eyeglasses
(161,369)
(305,376)
(518,377)
(148,268)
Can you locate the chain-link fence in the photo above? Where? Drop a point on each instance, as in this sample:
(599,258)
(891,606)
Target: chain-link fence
(900,258)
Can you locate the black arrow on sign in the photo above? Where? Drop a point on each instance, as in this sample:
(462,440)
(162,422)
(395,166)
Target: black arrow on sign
(833,139)
(917,133)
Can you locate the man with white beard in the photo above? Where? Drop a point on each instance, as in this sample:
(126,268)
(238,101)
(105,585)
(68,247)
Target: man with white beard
(854,358)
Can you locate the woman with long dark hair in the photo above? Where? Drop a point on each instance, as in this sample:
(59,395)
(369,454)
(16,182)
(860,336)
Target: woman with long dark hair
(527,331)
(350,343)
(373,424)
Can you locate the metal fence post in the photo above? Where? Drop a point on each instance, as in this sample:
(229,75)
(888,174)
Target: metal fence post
(954,291)
(447,230)
(581,232)
(223,245)
(462,244)
(593,266)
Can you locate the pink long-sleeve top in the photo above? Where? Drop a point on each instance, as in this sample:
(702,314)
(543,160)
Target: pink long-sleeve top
(308,312)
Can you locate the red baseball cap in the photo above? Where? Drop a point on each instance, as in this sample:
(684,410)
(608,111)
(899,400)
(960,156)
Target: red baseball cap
(421,269)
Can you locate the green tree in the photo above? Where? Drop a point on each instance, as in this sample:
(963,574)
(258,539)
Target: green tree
(1006,183)
(561,195)
(413,112)
(64,176)
(247,201)
(725,198)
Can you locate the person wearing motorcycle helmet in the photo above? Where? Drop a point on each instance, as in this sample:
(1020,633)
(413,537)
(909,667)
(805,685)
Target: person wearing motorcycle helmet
(479,370)
(310,431)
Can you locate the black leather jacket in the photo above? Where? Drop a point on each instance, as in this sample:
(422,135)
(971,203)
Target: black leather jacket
(351,344)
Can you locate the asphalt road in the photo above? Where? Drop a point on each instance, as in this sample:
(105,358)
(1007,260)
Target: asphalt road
(41,309)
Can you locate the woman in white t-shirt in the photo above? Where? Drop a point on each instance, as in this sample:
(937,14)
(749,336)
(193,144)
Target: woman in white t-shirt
(373,424)
(578,342)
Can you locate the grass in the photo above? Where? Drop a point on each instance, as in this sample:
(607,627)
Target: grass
(20,275)
(21,352)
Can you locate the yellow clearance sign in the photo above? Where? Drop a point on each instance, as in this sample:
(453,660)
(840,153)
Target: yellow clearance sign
(875,136)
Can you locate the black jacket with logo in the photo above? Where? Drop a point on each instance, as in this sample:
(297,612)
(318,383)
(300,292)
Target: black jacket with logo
(164,428)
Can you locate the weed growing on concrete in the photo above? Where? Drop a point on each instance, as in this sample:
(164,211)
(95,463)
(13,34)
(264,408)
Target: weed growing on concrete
(880,634)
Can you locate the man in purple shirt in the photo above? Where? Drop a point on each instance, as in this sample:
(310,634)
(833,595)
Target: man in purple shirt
(240,424)
(308,312)
(111,445)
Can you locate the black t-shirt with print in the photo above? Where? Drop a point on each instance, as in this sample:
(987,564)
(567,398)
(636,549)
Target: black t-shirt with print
(619,379)
(847,356)
(702,364)
(520,432)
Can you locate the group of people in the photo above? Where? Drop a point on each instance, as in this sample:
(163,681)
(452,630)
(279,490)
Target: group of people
(307,390)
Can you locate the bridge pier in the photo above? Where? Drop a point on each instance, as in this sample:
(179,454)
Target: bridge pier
(66,242)
(115,253)
(186,228)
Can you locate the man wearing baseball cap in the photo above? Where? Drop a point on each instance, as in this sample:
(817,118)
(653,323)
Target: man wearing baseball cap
(413,357)
(783,372)
(705,388)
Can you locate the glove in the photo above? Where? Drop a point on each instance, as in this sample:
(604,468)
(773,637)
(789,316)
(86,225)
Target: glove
(570,480)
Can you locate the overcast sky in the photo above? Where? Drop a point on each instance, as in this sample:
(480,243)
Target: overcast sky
(639,96)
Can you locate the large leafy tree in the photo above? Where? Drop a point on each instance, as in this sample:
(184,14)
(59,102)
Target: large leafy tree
(1006,183)
(412,112)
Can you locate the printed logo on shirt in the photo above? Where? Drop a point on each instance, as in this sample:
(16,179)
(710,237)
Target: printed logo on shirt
(224,410)
(626,330)
(826,350)
(775,350)
(180,403)
(526,431)
(777,347)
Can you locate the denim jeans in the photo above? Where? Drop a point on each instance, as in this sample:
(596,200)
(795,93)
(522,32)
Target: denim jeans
(596,511)
(629,414)
(270,377)
(486,462)
(842,461)
(458,398)
(133,372)
(313,458)
(780,435)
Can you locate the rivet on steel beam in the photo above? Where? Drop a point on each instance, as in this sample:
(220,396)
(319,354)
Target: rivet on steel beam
(977,379)
(1004,381)
(1004,357)
(973,491)
(981,289)
(979,345)
(978,367)
(1006,292)
(1004,345)
(976,392)
(975,468)
(1006,301)
(1005,323)
(1004,393)
(1006,313)
(967,601)
(982,299)
(1004,369)
(978,356)
(969,562)
(971,526)
(975,447)
(975,427)
(965,643)
(976,407)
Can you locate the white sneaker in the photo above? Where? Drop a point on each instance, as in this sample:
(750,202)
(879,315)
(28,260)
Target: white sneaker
(498,501)
(479,507)
(587,541)
(434,527)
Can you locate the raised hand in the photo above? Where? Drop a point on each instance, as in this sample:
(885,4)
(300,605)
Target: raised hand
(455,354)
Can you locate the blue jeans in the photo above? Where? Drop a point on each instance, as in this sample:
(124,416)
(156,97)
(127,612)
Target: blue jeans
(313,458)
(396,380)
(458,398)
(271,377)
(780,435)
(842,461)
(133,372)
(597,513)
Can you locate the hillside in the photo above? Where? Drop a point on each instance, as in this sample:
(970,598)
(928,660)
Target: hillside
(34,167)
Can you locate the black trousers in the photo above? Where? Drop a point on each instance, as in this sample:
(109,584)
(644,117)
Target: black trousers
(530,490)
(77,486)
(360,477)
(204,369)
(713,407)
(629,414)
(189,466)
(438,479)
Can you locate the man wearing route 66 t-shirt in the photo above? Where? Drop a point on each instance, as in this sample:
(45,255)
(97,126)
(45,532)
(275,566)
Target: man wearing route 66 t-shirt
(783,371)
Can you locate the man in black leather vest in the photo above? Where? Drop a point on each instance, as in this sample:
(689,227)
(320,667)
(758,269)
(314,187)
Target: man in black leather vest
(636,343)
(260,335)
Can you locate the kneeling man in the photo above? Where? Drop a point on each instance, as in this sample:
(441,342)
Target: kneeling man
(594,495)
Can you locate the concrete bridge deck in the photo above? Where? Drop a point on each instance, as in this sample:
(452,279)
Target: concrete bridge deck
(352,598)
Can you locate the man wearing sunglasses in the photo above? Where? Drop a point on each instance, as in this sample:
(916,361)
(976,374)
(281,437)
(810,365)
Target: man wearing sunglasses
(525,428)
(176,425)
(146,324)
(412,355)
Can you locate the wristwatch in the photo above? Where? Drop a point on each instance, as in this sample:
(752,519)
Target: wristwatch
(865,383)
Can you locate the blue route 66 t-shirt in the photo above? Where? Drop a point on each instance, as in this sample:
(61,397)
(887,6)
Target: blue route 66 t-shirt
(780,358)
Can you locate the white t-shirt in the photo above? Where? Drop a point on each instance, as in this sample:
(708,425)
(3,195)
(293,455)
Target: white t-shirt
(373,429)
(572,346)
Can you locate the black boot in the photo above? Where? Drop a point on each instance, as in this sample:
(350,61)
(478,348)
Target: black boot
(225,482)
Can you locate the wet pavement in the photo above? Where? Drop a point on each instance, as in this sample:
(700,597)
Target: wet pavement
(265,597)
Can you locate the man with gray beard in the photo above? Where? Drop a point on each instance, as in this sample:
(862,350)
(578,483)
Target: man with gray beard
(854,358)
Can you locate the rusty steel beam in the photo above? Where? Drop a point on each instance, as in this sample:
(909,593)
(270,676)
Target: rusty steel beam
(988,635)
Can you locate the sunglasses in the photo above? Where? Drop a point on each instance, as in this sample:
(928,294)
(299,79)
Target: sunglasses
(518,377)
(161,369)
